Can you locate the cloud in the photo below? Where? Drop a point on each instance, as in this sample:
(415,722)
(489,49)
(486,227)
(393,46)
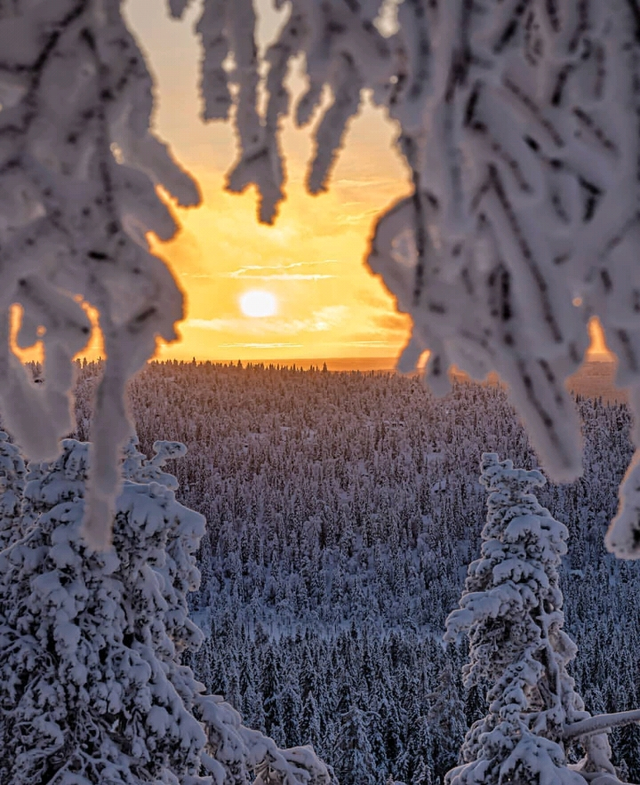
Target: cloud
(353,219)
(380,301)
(319,321)
(260,345)
(386,344)
(368,183)
(375,336)
(288,277)
(276,272)
(394,322)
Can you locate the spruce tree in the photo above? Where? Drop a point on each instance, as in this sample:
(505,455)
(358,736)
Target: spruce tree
(511,610)
(93,688)
(12,479)
(356,757)
(446,718)
(89,688)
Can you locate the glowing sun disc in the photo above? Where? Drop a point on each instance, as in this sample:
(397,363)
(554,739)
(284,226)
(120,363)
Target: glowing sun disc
(258,303)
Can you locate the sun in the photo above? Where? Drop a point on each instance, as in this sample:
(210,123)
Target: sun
(257,303)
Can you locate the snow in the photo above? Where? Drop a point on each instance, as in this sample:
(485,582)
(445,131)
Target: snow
(79,184)
(318,581)
(94,689)
(520,135)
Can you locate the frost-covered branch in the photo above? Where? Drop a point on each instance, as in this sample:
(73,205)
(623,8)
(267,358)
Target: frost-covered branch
(520,125)
(601,722)
(79,172)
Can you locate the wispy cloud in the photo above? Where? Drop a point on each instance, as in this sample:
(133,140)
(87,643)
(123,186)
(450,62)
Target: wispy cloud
(319,321)
(288,277)
(366,183)
(372,343)
(279,272)
(394,322)
(260,345)
(272,272)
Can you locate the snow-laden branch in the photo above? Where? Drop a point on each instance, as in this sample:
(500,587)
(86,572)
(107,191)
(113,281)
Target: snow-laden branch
(79,173)
(601,722)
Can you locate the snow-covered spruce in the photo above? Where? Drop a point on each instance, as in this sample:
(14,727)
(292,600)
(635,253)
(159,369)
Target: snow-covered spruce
(93,690)
(12,477)
(512,612)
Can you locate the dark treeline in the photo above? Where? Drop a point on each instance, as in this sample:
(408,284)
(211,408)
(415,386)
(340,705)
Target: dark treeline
(342,512)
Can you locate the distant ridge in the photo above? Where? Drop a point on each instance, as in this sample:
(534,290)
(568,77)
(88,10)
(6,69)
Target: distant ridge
(382,364)
(594,379)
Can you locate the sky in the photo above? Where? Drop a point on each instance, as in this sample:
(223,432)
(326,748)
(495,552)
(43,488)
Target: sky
(310,264)
(320,299)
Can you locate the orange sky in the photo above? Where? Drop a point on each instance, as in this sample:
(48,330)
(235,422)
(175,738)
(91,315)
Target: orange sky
(311,261)
(329,305)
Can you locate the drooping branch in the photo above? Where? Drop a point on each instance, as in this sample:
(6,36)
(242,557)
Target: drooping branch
(79,172)
(601,722)
(520,124)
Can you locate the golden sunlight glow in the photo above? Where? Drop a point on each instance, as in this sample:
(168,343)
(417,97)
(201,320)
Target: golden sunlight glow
(311,261)
(298,289)
(598,349)
(257,303)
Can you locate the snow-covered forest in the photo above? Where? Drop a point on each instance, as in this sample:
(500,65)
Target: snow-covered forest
(342,511)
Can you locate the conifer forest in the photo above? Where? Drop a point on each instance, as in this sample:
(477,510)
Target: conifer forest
(342,510)
(260,575)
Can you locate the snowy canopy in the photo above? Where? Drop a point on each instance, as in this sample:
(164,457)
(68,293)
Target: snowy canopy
(94,690)
(518,121)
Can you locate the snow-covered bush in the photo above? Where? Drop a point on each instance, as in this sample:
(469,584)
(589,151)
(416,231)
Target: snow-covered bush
(518,122)
(511,610)
(93,689)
